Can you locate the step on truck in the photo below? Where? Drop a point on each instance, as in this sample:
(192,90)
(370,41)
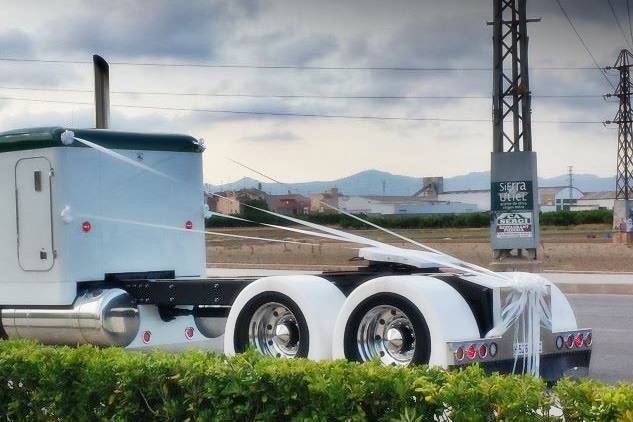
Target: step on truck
(94,250)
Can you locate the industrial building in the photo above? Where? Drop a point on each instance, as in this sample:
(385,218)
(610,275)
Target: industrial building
(402,205)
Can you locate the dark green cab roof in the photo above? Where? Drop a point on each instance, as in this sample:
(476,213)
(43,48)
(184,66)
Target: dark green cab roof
(46,137)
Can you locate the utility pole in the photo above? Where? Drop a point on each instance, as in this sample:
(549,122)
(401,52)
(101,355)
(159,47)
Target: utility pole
(571,183)
(514,181)
(622,207)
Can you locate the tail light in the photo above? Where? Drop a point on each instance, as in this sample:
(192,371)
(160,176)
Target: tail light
(588,339)
(471,352)
(578,340)
(189,333)
(483,350)
(569,341)
(560,342)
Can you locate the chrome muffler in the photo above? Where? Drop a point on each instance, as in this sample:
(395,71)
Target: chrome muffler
(103,317)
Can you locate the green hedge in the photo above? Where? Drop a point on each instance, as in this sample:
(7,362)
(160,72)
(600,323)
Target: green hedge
(88,383)
(572,218)
(433,221)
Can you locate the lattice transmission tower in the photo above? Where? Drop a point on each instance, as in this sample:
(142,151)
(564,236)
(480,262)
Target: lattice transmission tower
(624,120)
(514,182)
(623,205)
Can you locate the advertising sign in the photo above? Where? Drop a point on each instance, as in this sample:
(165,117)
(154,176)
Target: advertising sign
(512,225)
(512,196)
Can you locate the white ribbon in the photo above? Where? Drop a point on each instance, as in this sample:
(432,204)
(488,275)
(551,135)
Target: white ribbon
(68,136)
(526,309)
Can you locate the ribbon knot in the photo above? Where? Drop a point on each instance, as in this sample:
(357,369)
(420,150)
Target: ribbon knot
(527,309)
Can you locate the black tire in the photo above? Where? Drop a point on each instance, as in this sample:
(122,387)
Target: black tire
(422,351)
(240,337)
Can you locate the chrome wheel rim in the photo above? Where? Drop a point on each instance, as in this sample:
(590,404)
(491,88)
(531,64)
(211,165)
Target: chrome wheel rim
(386,333)
(274,331)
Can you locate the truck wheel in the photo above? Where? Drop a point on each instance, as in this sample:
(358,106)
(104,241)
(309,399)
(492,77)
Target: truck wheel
(390,328)
(284,316)
(274,325)
(402,320)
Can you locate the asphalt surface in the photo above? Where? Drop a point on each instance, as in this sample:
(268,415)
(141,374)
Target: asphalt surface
(611,318)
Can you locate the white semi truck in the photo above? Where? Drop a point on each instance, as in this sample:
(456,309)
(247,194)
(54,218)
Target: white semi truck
(101,251)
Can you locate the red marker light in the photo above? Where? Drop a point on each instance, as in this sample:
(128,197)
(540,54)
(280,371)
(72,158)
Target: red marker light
(483,350)
(86,226)
(147,336)
(578,340)
(188,225)
(569,342)
(471,352)
(189,333)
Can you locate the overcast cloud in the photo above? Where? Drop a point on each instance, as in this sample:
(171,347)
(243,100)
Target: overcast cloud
(429,33)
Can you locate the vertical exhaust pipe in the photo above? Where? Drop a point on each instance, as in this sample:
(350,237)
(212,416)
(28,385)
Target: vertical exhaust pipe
(102,92)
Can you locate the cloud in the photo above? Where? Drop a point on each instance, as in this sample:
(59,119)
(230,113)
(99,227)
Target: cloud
(15,43)
(277,136)
(165,29)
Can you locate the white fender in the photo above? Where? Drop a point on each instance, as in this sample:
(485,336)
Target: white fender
(563,318)
(447,314)
(318,299)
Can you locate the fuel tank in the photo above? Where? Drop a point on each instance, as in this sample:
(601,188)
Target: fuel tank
(103,317)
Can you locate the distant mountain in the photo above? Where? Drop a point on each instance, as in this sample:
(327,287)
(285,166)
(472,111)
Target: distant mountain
(584,182)
(370,182)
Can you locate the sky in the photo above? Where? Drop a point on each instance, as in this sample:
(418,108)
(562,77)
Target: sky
(323,33)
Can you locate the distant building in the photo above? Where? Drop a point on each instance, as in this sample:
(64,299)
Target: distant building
(230,202)
(478,197)
(401,205)
(597,200)
(567,199)
(290,204)
(550,198)
(330,197)
(431,187)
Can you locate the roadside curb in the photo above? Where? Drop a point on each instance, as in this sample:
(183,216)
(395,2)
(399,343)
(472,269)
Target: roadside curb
(596,289)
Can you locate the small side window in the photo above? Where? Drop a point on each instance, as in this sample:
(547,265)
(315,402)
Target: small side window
(37,180)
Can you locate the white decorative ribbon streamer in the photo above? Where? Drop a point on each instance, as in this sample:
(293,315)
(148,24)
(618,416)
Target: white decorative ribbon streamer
(469,267)
(526,309)
(66,212)
(67,136)
(291,229)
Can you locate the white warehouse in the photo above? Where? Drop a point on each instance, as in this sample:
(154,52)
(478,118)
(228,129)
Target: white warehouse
(402,205)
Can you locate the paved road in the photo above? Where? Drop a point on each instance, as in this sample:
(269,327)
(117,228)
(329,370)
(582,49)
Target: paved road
(611,317)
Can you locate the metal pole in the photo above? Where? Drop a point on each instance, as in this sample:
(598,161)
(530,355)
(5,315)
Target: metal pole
(497,90)
(102,92)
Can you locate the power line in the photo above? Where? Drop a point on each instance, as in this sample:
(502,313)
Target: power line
(615,15)
(287,67)
(254,112)
(595,62)
(289,96)
(628,12)
(292,114)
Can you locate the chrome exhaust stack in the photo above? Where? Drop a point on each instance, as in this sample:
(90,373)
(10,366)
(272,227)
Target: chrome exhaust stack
(102,317)
(102,92)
